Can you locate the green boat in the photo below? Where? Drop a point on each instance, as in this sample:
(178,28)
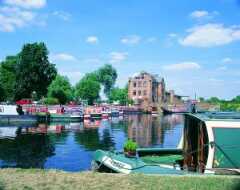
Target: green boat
(66,118)
(210,145)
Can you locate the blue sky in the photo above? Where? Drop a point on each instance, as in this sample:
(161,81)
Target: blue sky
(194,45)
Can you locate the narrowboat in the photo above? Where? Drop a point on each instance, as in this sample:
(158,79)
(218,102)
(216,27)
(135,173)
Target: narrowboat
(93,112)
(13,114)
(67,114)
(210,145)
(115,112)
(174,110)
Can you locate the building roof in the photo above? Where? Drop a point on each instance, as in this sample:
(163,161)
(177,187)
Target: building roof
(154,76)
(217,116)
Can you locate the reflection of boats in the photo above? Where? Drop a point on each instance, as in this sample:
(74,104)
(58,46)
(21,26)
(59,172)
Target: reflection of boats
(210,144)
(9,132)
(92,123)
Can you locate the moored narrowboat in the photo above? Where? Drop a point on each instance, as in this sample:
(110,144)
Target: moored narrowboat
(210,145)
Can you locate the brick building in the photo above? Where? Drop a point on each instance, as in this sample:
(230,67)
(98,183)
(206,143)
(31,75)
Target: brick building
(149,92)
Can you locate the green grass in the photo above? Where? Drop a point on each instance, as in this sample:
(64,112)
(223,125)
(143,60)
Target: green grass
(57,180)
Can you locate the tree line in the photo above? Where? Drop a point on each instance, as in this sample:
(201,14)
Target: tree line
(30,75)
(225,105)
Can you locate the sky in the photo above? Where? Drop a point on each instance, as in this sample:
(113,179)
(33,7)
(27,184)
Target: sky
(194,44)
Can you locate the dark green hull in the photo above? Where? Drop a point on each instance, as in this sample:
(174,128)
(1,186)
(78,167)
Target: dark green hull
(164,162)
(65,118)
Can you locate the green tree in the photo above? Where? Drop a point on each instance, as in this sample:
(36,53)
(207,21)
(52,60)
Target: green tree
(88,89)
(213,100)
(119,95)
(34,71)
(107,76)
(60,89)
(8,77)
(236,99)
(2,93)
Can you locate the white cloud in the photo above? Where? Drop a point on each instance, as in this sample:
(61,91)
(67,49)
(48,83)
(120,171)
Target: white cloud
(116,57)
(62,15)
(28,4)
(227,60)
(210,35)
(13,17)
(131,40)
(182,66)
(151,40)
(62,57)
(202,14)
(92,39)
(172,35)
(199,14)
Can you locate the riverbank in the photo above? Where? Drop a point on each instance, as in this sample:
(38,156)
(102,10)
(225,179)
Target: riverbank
(52,179)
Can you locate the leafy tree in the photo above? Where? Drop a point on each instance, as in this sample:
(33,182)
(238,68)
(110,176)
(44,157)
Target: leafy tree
(119,95)
(107,76)
(213,100)
(88,89)
(8,77)
(50,101)
(60,89)
(201,99)
(34,71)
(236,99)
(2,93)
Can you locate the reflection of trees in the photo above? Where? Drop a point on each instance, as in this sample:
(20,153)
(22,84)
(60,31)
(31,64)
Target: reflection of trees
(91,139)
(122,125)
(26,150)
(58,138)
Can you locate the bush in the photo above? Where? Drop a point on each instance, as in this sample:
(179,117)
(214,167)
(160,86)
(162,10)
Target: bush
(51,101)
(130,146)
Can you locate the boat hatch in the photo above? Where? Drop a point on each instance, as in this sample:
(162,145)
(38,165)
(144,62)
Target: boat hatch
(195,145)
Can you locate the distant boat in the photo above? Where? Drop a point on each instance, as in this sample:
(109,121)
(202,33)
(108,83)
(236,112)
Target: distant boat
(15,114)
(174,110)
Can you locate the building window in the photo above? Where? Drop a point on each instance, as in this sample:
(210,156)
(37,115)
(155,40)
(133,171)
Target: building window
(139,83)
(144,83)
(134,93)
(139,92)
(134,84)
(144,92)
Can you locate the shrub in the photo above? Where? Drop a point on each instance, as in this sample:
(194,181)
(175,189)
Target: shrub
(51,101)
(130,146)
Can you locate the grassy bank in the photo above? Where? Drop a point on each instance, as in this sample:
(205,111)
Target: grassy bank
(40,179)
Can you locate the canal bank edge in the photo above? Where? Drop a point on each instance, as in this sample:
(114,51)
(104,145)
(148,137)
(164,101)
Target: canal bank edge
(53,179)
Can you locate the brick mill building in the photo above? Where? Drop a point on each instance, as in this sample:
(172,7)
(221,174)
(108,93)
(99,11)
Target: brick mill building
(149,92)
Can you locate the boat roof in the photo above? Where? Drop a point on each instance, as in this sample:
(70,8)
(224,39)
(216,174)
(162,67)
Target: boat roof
(217,116)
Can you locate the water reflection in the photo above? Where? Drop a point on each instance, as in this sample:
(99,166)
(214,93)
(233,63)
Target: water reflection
(69,146)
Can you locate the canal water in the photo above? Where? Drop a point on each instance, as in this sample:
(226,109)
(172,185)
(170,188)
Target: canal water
(70,146)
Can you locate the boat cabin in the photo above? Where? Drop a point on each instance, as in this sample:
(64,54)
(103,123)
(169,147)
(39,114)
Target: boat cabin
(211,142)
